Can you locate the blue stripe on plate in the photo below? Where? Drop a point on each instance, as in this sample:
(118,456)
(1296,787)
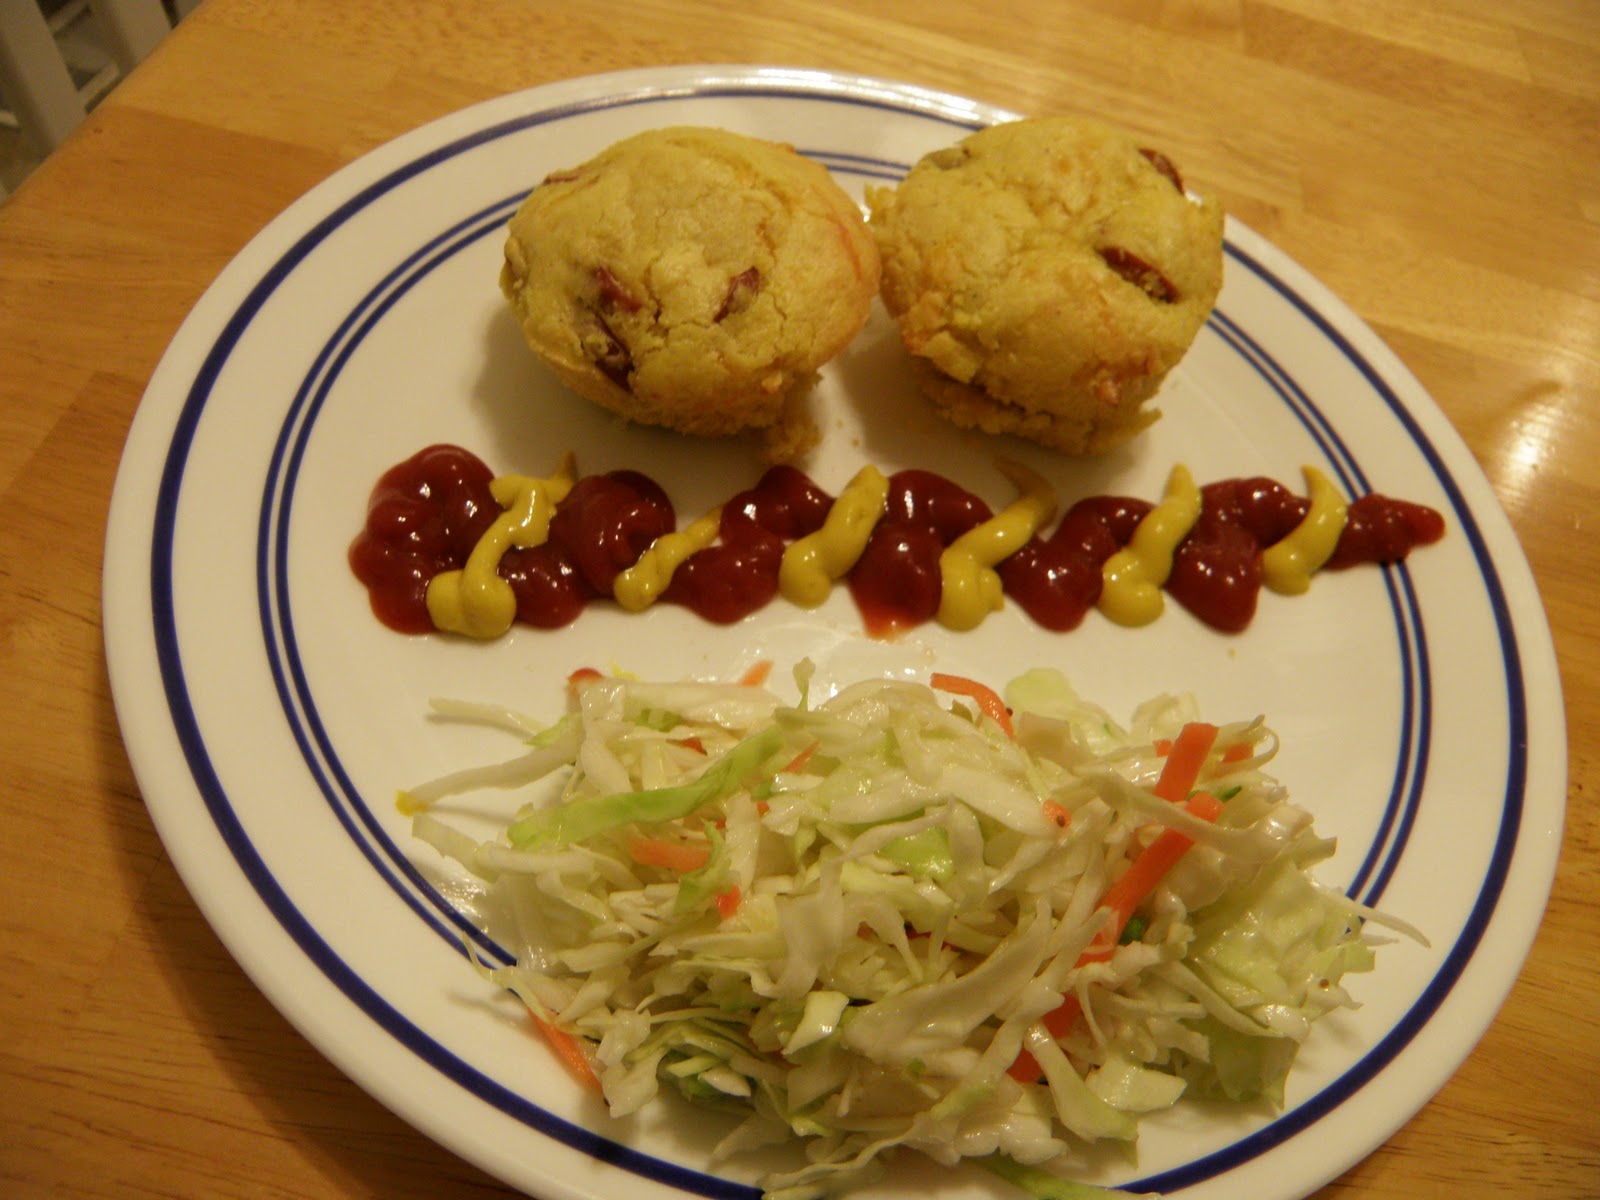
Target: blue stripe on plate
(1415,727)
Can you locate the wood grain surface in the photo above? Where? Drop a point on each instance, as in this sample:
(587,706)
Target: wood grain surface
(1437,165)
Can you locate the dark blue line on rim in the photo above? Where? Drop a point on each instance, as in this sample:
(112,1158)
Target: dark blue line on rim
(1434,995)
(857,164)
(1383,873)
(1384,853)
(320,756)
(218,805)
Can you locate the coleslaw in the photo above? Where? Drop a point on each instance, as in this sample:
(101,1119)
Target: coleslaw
(908,916)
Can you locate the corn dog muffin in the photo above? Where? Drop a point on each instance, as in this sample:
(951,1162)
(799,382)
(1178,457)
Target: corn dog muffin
(695,279)
(1046,275)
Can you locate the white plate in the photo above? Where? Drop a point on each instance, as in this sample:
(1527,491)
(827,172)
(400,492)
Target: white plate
(270,718)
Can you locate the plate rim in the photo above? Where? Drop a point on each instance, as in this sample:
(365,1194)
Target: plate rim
(763,81)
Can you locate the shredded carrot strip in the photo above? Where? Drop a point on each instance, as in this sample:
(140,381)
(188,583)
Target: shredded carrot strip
(1133,886)
(580,678)
(1183,764)
(798,763)
(1025,1068)
(1057,813)
(663,852)
(756,675)
(1058,1022)
(1125,894)
(987,698)
(1237,752)
(693,743)
(728,902)
(569,1052)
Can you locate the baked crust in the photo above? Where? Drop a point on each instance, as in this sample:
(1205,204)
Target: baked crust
(1047,274)
(695,279)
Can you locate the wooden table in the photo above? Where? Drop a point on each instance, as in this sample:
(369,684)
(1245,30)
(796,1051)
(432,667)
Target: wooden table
(1436,164)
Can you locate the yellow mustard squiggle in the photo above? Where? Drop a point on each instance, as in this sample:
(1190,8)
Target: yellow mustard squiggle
(475,601)
(1287,565)
(637,588)
(1130,592)
(970,587)
(812,564)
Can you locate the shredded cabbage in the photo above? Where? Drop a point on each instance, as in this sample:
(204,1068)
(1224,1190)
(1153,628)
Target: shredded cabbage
(856,922)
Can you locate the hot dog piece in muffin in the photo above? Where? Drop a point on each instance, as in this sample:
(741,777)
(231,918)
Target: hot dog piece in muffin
(693,278)
(1046,275)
